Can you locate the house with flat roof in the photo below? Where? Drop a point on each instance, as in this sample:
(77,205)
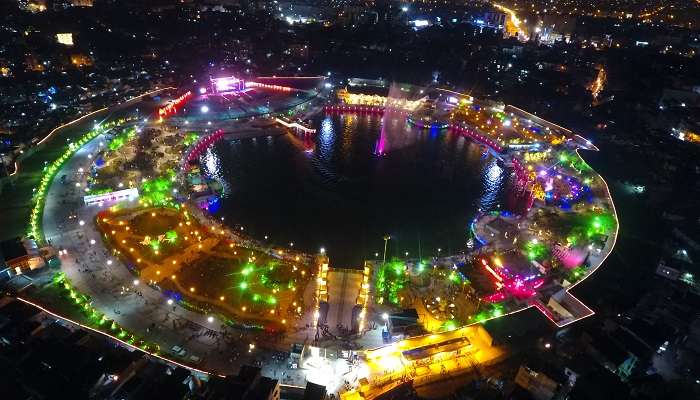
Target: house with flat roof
(20,256)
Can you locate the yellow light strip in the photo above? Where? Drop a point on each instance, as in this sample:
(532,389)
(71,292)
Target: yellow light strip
(95,112)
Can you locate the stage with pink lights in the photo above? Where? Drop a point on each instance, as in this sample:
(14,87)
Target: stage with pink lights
(231,97)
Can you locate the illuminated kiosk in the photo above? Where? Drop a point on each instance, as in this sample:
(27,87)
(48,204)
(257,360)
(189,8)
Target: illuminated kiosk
(119,195)
(226,85)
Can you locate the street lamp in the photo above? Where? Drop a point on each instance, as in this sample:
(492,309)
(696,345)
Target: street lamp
(386,240)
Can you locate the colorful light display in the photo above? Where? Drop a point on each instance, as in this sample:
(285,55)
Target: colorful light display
(121,139)
(190,138)
(419,123)
(98,320)
(391,278)
(260,285)
(199,145)
(380,146)
(469,132)
(226,85)
(359,99)
(509,284)
(254,282)
(158,191)
(536,250)
(51,170)
(172,106)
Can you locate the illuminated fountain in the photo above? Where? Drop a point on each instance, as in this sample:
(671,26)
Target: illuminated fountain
(391,113)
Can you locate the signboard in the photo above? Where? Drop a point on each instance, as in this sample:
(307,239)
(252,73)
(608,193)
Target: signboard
(126,194)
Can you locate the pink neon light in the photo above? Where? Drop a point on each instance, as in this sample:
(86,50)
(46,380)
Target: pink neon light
(227,84)
(508,285)
(202,144)
(380,148)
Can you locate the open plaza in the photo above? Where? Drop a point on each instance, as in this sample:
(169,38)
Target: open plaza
(130,211)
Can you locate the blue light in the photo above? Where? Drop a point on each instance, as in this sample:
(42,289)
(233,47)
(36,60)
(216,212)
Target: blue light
(214,205)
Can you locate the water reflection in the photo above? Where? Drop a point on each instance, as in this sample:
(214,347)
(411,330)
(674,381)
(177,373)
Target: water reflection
(493,180)
(424,189)
(213,164)
(326,139)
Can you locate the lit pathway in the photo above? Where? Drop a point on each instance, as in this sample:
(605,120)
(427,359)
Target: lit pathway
(343,289)
(140,309)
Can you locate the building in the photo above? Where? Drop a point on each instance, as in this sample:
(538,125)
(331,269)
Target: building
(554,28)
(616,354)
(65,38)
(20,256)
(249,384)
(540,386)
(667,271)
(43,358)
(33,6)
(493,19)
(314,391)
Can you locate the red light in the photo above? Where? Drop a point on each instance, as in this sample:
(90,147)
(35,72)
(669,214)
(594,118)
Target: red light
(171,108)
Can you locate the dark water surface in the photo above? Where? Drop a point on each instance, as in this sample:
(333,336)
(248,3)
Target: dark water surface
(332,190)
